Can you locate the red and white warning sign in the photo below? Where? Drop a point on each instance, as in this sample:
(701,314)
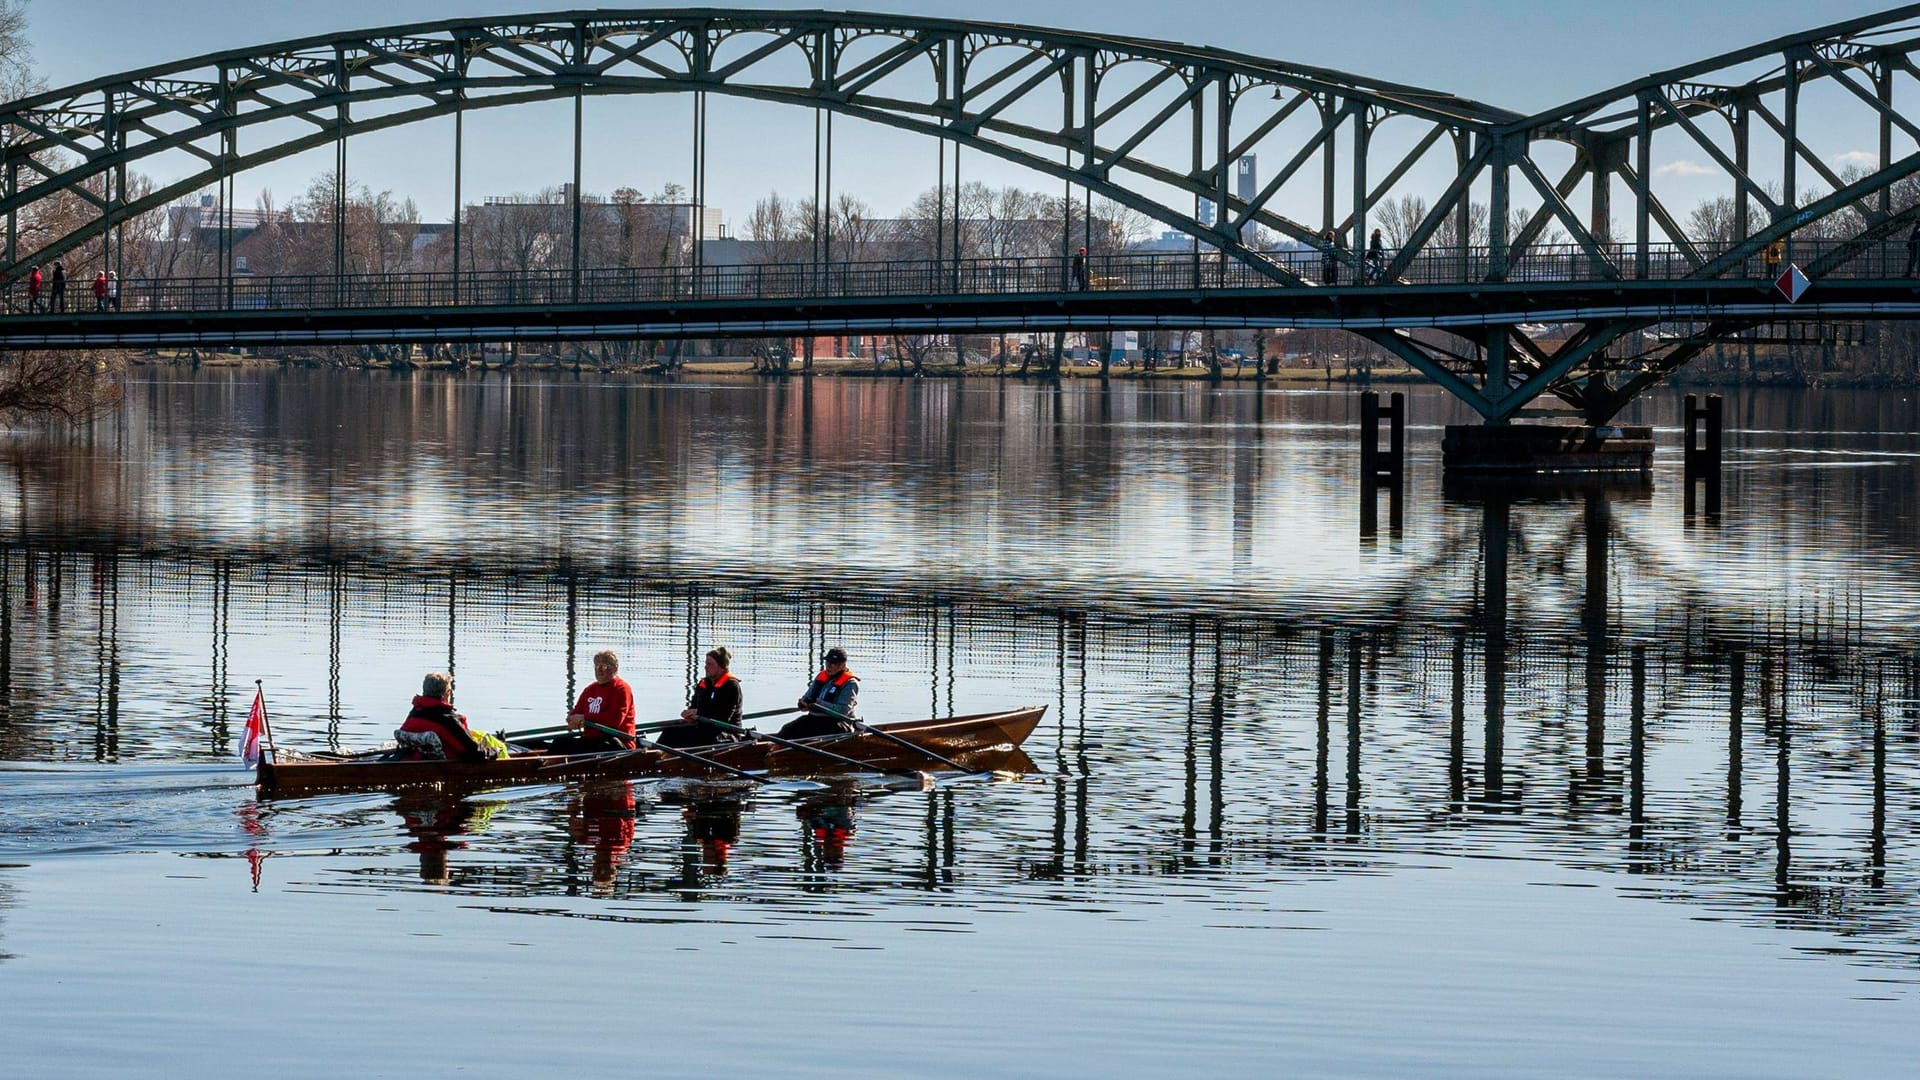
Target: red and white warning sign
(1792,284)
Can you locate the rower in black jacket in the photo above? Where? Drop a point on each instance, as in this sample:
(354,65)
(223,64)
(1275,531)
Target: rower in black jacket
(716,697)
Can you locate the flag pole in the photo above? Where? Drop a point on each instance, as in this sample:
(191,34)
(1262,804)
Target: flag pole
(266,725)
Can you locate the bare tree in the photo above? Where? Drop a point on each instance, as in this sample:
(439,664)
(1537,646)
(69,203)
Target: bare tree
(39,384)
(18,78)
(639,231)
(519,233)
(36,384)
(782,230)
(854,231)
(1712,222)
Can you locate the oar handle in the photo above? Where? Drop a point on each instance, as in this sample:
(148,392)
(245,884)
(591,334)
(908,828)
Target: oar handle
(615,732)
(661,726)
(504,735)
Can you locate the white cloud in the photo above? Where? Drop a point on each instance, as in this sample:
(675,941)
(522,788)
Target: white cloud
(1685,168)
(1866,159)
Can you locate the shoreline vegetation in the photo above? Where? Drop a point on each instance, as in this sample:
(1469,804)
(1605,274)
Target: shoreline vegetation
(1230,370)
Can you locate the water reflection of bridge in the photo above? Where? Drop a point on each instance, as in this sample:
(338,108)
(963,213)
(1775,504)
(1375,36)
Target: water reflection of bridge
(1322,740)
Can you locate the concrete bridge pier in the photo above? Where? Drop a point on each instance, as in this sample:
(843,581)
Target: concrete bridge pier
(1625,451)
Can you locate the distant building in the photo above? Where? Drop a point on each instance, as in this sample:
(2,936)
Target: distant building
(672,218)
(1246,178)
(190,219)
(1246,187)
(895,239)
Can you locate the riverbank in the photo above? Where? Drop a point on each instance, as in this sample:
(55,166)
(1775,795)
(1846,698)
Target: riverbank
(860,367)
(839,367)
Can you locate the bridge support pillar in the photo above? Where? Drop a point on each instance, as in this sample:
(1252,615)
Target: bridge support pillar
(1498,351)
(1474,449)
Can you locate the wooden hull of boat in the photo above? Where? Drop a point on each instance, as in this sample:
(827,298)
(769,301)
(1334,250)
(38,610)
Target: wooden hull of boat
(980,741)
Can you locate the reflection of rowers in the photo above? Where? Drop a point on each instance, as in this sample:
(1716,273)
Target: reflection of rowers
(712,813)
(828,823)
(714,825)
(602,815)
(436,819)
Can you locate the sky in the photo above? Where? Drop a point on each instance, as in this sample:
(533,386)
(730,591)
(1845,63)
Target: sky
(1525,55)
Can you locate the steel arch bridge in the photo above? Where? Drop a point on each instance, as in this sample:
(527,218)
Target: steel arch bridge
(1154,127)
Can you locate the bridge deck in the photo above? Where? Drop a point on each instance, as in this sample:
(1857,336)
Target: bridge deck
(1135,291)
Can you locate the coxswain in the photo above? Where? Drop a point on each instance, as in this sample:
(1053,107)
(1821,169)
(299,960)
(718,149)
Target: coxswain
(433,731)
(829,700)
(606,702)
(715,697)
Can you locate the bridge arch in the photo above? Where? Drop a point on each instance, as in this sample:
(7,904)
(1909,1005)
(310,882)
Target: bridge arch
(82,139)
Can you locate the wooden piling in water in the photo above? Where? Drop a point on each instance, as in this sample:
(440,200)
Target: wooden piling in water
(1705,434)
(1375,466)
(1382,468)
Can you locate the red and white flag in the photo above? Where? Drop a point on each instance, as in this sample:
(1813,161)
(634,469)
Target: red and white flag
(256,722)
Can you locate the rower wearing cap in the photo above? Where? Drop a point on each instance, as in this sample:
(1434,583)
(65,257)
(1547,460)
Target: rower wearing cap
(829,700)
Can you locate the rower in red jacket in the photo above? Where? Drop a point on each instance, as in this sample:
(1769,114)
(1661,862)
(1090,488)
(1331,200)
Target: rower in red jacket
(433,731)
(606,702)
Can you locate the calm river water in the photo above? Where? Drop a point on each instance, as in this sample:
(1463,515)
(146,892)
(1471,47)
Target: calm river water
(1555,782)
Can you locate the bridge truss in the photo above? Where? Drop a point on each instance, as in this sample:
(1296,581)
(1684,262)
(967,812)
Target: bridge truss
(1155,127)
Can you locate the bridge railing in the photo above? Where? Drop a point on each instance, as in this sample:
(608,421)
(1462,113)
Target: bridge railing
(1143,272)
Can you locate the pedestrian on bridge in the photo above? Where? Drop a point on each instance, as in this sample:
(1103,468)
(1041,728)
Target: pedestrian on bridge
(1078,268)
(100,291)
(33,290)
(1377,258)
(59,288)
(113,290)
(1330,257)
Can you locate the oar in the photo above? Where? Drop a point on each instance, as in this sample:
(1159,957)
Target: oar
(505,736)
(676,752)
(357,756)
(508,736)
(890,737)
(791,745)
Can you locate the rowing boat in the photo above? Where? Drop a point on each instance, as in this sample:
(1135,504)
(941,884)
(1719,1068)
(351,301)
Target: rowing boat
(980,741)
